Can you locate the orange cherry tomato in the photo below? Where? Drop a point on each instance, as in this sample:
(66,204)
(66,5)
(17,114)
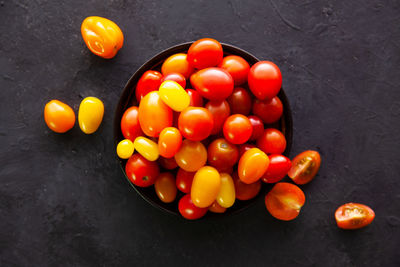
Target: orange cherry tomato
(237,67)
(165,187)
(354,216)
(184,180)
(305,166)
(216,208)
(191,156)
(167,163)
(252,165)
(58,116)
(205,53)
(102,36)
(245,191)
(169,142)
(154,114)
(177,64)
(205,187)
(284,201)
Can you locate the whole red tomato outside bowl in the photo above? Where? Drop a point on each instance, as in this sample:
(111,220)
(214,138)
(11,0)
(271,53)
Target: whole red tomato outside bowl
(128,99)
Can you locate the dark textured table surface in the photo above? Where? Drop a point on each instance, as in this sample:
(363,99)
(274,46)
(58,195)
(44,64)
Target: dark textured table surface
(64,200)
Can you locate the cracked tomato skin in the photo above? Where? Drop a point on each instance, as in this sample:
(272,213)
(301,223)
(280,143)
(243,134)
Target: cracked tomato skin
(285,201)
(140,171)
(305,166)
(352,216)
(102,36)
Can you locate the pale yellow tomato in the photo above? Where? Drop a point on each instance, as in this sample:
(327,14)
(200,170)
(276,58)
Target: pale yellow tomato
(90,115)
(226,194)
(174,95)
(147,148)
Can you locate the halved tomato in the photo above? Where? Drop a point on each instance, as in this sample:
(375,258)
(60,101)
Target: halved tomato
(305,166)
(354,216)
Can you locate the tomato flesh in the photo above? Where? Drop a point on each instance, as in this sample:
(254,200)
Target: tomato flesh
(305,166)
(354,216)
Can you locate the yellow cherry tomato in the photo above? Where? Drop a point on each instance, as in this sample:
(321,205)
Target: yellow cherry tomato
(252,165)
(226,195)
(174,95)
(102,36)
(205,187)
(125,149)
(165,187)
(147,148)
(58,116)
(90,115)
(191,156)
(177,64)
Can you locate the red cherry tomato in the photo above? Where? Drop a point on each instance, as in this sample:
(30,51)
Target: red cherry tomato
(195,98)
(269,111)
(176,77)
(169,142)
(154,115)
(237,129)
(240,101)
(195,123)
(245,191)
(188,210)
(222,155)
(167,163)
(265,80)
(212,83)
(220,111)
(244,147)
(272,141)
(284,201)
(150,81)
(205,53)
(216,208)
(58,116)
(354,216)
(141,171)
(237,67)
(130,126)
(258,127)
(305,166)
(278,167)
(184,180)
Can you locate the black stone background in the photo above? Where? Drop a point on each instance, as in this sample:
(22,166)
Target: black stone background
(64,200)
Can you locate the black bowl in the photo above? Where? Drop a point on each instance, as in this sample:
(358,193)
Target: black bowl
(128,99)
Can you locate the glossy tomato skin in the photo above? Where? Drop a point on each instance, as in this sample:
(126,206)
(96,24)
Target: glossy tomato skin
(220,111)
(216,208)
(169,142)
(195,98)
(174,96)
(147,148)
(245,191)
(212,83)
(58,116)
(196,123)
(354,216)
(140,171)
(125,149)
(167,163)
(272,141)
(205,53)
(237,129)
(222,155)
(154,114)
(130,126)
(278,167)
(252,165)
(258,127)
(244,147)
(90,114)
(285,201)
(176,77)
(226,194)
(205,187)
(177,64)
(150,81)
(188,210)
(237,67)
(191,156)
(265,80)
(305,166)
(165,187)
(240,101)
(184,180)
(269,110)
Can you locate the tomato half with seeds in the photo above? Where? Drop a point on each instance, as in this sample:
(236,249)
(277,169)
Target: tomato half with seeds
(196,123)
(252,165)
(220,111)
(212,83)
(141,171)
(205,53)
(176,77)
(184,180)
(195,98)
(222,155)
(237,67)
(237,129)
(169,142)
(305,166)
(148,82)
(269,111)
(278,167)
(240,101)
(130,126)
(177,64)
(188,210)
(354,216)
(272,141)
(245,191)
(265,80)
(258,127)
(285,201)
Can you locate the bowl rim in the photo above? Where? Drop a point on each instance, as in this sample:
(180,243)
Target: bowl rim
(127,91)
